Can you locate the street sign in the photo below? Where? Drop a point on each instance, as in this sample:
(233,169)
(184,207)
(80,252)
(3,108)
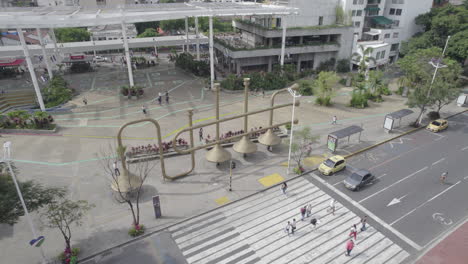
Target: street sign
(388,123)
(157,206)
(331,143)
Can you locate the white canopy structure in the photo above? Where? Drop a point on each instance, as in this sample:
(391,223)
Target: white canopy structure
(57,17)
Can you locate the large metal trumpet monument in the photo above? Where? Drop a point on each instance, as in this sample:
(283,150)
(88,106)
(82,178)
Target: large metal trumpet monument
(217,154)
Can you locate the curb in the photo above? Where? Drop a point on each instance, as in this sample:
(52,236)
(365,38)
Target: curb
(402,134)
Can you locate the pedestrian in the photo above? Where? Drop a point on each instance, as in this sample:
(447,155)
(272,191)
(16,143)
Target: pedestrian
(363,222)
(334,120)
(303,212)
(143,109)
(308,210)
(116,168)
(85,102)
(293,226)
(349,247)
(167,97)
(263,93)
(443,177)
(353,232)
(200,134)
(284,187)
(288,227)
(332,207)
(313,222)
(159,98)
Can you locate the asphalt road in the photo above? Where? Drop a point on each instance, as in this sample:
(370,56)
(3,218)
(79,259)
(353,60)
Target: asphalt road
(407,172)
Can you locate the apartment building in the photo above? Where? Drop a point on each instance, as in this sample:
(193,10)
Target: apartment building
(384,24)
(312,37)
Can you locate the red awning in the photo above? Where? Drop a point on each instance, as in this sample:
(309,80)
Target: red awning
(17,62)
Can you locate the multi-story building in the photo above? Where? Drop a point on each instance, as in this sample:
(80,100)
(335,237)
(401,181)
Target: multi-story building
(314,36)
(110,32)
(384,24)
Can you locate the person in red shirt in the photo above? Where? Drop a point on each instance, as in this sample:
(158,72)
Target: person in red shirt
(349,247)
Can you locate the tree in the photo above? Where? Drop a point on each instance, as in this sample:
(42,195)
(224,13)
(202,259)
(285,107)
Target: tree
(72,34)
(35,196)
(173,25)
(364,58)
(458,46)
(324,86)
(141,27)
(302,145)
(62,213)
(138,170)
(148,33)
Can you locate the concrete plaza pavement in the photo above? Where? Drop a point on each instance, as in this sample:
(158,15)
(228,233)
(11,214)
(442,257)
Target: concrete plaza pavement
(69,158)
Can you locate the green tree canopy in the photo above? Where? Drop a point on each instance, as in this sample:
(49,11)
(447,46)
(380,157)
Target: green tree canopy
(148,33)
(35,196)
(141,27)
(72,34)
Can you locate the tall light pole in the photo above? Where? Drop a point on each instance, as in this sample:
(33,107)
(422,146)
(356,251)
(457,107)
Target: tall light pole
(294,95)
(7,159)
(437,67)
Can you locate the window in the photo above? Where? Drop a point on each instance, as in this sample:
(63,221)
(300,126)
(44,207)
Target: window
(396,23)
(357,24)
(354,2)
(401,1)
(387,35)
(373,12)
(320,20)
(361,2)
(392,11)
(394,1)
(377,56)
(100,2)
(353,13)
(395,35)
(278,22)
(359,13)
(382,55)
(394,47)
(398,12)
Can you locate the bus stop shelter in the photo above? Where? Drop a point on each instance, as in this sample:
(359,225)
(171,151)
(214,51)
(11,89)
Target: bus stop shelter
(389,120)
(332,140)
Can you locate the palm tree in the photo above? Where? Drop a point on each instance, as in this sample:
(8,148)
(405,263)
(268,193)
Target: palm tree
(363,58)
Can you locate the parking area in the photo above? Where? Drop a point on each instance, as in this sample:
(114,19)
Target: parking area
(407,192)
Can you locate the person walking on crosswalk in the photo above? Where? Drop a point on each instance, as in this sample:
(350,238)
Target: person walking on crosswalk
(349,247)
(293,226)
(363,223)
(353,232)
(308,210)
(284,187)
(288,227)
(332,207)
(314,222)
(303,212)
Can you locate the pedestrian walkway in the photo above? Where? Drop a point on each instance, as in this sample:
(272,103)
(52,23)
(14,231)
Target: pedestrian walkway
(253,231)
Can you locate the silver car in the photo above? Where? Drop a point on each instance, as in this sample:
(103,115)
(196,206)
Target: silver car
(358,179)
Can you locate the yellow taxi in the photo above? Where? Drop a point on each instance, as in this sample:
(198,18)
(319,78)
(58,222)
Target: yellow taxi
(438,125)
(332,165)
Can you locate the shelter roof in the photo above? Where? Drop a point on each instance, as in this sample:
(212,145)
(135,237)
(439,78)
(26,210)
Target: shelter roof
(347,131)
(400,113)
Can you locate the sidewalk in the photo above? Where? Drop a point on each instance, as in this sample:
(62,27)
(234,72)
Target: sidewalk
(451,250)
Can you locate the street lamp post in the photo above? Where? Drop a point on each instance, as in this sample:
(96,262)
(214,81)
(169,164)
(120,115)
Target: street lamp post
(437,67)
(294,95)
(6,159)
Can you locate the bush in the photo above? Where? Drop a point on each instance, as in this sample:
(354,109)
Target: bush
(328,65)
(136,230)
(326,101)
(343,65)
(433,115)
(232,83)
(287,126)
(187,62)
(73,256)
(56,92)
(80,67)
(400,90)
(21,119)
(298,170)
(305,87)
(343,81)
(386,90)
(359,100)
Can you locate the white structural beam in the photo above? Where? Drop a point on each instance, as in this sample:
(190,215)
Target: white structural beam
(56,48)
(211,54)
(44,54)
(198,38)
(64,16)
(127,55)
(31,69)
(283,40)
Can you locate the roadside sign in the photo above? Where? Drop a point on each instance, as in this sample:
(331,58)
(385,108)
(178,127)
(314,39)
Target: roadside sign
(332,143)
(388,123)
(157,206)
(462,100)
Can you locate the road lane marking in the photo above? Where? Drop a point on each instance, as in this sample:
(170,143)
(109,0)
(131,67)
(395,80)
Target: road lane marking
(372,195)
(381,175)
(405,215)
(438,161)
(399,143)
(465,148)
(369,213)
(466,177)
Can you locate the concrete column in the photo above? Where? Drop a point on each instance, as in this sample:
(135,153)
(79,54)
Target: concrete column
(229,65)
(56,48)
(283,41)
(299,63)
(270,63)
(328,38)
(198,38)
(301,40)
(186,34)
(31,69)
(270,42)
(238,67)
(211,52)
(127,55)
(44,54)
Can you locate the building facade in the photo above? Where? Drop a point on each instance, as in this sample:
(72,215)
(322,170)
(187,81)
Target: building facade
(312,37)
(111,32)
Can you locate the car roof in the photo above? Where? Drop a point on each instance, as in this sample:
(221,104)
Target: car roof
(440,120)
(336,158)
(362,172)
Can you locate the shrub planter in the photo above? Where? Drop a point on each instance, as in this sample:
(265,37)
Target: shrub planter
(28,131)
(153,156)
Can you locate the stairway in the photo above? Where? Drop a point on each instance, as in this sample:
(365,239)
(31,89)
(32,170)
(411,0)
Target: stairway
(13,100)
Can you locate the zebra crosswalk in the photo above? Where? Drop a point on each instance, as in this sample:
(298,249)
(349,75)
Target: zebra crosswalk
(253,231)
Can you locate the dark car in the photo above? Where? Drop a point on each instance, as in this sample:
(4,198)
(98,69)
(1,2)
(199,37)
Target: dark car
(358,179)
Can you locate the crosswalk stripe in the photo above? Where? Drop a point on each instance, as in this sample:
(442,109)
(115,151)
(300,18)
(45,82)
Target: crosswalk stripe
(388,253)
(251,227)
(243,216)
(398,258)
(371,251)
(266,196)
